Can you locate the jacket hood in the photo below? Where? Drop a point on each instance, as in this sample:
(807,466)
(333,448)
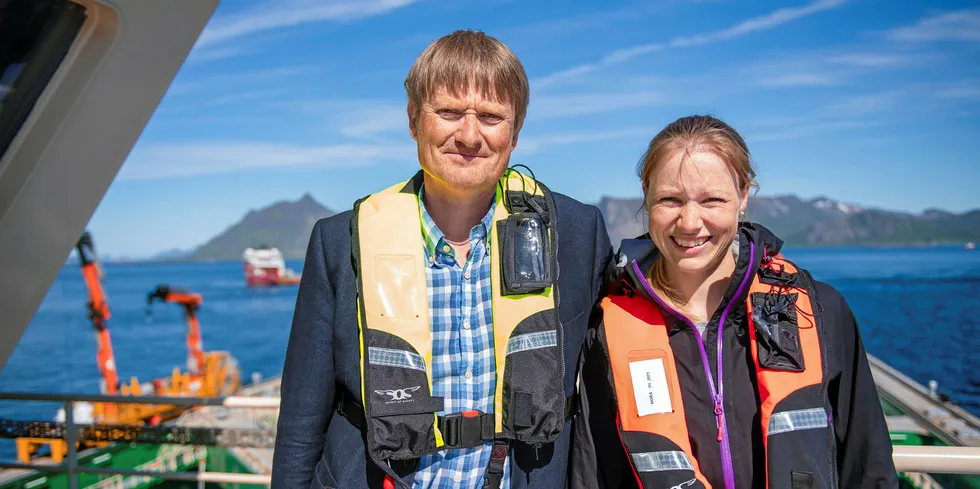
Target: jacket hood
(636,255)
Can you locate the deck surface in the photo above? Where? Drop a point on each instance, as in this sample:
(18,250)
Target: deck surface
(952,423)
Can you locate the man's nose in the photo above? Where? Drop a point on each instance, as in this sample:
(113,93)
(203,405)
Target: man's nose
(468,132)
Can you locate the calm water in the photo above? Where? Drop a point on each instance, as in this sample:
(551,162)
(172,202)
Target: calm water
(918,310)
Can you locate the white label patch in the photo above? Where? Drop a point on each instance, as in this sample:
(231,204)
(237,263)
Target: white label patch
(650,387)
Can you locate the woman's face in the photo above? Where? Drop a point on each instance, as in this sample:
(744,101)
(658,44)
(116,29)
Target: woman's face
(694,207)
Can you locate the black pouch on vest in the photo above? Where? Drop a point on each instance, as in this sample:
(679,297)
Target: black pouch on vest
(777,331)
(525,251)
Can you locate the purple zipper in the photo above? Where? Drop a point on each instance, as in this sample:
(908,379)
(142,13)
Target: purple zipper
(717,395)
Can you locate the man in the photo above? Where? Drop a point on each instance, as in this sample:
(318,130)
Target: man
(430,345)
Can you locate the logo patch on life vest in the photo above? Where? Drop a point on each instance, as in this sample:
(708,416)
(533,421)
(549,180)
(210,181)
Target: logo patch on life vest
(650,387)
(398,395)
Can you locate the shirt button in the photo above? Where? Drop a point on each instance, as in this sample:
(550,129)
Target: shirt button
(466,275)
(457,477)
(469,375)
(445,248)
(466,324)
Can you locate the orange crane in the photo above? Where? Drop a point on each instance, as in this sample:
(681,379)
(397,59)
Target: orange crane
(211,374)
(191,302)
(98,313)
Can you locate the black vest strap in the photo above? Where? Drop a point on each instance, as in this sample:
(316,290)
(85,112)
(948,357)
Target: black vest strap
(495,469)
(460,430)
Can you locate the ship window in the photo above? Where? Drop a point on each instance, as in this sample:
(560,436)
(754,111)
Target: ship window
(35,35)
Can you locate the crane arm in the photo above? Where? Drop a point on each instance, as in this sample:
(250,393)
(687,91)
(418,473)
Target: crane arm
(191,302)
(98,312)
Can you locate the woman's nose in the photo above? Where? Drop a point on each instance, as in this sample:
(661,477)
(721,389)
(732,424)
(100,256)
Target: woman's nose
(690,218)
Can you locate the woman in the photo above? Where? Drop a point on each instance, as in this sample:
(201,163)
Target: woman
(716,362)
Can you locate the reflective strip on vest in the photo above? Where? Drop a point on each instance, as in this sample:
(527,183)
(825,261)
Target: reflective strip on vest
(395,358)
(532,341)
(660,461)
(802,419)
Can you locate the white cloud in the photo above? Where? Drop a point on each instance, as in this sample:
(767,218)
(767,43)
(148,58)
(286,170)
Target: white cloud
(773,19)
(864,104)
(231,98)
(355,118)
(799,80)
(558,28)
(870,60)
(959,25)
(533,144)
(379,120)
(964,90)
(200,55)
(227,81)
(578,104)
(277,14)
(801,128)
(185,159)
(806,69)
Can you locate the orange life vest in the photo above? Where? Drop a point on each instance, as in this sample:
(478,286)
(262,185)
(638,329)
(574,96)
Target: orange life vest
(796,425)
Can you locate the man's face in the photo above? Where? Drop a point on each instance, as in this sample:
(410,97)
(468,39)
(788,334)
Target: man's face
(464,142)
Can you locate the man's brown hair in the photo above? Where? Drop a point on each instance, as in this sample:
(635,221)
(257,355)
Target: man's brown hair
(464,58)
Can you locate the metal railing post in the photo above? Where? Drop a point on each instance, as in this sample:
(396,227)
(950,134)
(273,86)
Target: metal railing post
(71,436)
(200,470)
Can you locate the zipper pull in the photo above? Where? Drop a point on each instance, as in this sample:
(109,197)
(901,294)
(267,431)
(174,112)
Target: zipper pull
(536,447)
(718,414)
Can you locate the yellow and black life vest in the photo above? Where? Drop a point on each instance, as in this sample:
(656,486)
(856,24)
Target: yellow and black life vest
(786,347)
(400,415)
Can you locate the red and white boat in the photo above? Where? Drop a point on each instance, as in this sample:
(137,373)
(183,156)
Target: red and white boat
(266,267)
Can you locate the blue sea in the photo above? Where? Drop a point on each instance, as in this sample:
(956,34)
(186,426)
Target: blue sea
(918,309)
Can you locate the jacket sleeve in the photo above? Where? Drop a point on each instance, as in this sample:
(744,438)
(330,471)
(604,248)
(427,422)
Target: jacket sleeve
(308,374)
(597,459)
(602,273)
(864,453)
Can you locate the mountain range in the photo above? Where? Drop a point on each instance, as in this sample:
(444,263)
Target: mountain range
(815,222)
(284,225)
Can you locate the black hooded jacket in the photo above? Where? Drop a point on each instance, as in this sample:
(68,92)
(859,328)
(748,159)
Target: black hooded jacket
(864,450)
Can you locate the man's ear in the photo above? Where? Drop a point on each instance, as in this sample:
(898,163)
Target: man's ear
(411,122)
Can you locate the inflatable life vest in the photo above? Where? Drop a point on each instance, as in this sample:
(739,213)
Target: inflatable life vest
(400,415)
(787,350)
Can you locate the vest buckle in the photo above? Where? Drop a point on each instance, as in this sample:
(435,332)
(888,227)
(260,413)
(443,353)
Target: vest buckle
(466,429)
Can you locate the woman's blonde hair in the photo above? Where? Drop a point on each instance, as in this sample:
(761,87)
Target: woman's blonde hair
(690,135)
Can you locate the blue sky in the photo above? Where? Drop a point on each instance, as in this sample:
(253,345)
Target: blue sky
(874,102)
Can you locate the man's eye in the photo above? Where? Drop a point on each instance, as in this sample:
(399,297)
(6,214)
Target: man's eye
(669,200)
(491,118)
(448,113)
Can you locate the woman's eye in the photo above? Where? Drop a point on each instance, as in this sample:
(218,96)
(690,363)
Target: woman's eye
(669,200)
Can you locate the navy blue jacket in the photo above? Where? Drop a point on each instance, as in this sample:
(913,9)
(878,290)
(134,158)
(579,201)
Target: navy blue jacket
(318,448)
